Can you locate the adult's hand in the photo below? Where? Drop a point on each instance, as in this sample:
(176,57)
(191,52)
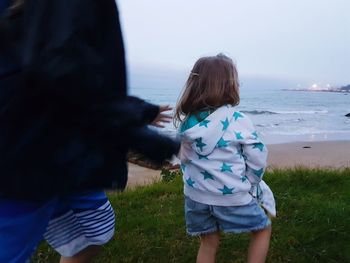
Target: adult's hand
(162,117)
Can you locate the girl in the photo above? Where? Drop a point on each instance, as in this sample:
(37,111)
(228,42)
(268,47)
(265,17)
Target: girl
(223,161)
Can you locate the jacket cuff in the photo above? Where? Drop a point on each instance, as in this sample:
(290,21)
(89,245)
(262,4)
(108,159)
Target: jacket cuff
(150,113)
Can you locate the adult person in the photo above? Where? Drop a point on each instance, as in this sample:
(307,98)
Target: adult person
(66,126)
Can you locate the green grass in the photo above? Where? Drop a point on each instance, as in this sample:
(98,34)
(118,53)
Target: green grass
(313,222)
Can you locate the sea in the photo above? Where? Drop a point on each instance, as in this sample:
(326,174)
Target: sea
(280,116)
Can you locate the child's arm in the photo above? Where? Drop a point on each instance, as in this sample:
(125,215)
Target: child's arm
(254,151)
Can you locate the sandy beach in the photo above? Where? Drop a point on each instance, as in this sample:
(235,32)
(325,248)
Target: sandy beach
(323,154)
(329,154)
(139,175)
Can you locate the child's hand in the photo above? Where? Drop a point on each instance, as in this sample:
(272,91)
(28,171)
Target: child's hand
(162,117)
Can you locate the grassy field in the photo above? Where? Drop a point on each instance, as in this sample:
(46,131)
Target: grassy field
(313,222)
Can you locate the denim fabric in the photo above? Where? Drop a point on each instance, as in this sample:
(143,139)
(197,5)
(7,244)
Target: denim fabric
(205,219)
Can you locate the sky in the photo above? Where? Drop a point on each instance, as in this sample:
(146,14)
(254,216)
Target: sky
(300,40)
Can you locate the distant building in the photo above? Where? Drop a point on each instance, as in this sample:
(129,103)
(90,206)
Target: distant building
(328,88)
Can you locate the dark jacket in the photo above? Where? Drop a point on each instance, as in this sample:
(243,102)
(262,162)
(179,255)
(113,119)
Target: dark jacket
(69,123)
(7,64)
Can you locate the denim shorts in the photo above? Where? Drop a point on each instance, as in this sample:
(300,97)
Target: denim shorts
(204,219)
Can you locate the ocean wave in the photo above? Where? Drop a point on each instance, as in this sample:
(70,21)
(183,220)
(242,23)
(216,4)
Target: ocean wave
(308,132)
(267,112)
(304,112)
(257,112)
(273,124)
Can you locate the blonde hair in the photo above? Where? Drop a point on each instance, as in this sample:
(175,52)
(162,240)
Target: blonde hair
(213,82)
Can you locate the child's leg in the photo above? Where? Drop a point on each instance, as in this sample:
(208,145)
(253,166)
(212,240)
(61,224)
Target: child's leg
(259,245)
(208,248)
(84,256)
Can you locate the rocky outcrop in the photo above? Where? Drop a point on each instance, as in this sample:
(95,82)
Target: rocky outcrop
(347,115)
(345,88)
(141,160)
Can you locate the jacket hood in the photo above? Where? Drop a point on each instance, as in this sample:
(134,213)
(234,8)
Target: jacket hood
(205,135)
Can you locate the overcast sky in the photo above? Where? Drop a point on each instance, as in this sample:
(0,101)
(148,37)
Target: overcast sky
(293,39)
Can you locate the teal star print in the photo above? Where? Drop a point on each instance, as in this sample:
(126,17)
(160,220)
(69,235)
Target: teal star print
(183,167)
(244,178)
(237,115)
(225,124)
(226,168)
(259,146)
(202,156)
(222,143)
(259,172)
(190,182)
(226,190)
(200,144)
(204,123)
(239,136)
(255,134)
(207,175)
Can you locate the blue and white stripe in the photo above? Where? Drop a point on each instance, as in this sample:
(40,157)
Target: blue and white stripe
(74,231)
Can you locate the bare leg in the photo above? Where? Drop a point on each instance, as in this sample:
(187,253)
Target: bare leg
(259,245)
(84,256)
(208,248)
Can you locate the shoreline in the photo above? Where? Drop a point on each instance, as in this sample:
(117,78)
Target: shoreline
(272,139)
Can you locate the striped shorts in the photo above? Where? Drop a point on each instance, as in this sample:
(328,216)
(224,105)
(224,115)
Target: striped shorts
(69,224)
(80,221)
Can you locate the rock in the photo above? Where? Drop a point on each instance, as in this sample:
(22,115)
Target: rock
(141,160)
(347,115)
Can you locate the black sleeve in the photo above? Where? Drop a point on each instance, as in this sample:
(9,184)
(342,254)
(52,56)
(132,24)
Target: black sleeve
(10,26)
(153,145)
(6,32)
(5,35)
(112,117)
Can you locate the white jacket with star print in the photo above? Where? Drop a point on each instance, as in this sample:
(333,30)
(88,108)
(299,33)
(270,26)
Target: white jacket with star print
(222,157)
